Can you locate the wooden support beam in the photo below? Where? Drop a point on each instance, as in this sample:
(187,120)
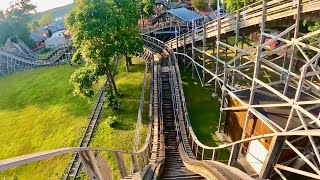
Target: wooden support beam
(90,164)
(293,54)
(204,45)
(234,155)
(217,55)
(121,164)
(193,52)
(184,51)
(273,155)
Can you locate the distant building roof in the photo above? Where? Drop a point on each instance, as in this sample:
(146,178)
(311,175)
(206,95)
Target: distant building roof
(185,14)
(185,4)
(36,37)
(55,26)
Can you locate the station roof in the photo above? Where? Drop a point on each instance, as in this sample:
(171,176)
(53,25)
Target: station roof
(185,14)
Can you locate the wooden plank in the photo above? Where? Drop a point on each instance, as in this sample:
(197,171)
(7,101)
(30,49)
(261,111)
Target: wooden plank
(273,155)
(121,164)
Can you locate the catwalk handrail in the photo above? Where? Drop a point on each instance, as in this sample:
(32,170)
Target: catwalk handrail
(251,15)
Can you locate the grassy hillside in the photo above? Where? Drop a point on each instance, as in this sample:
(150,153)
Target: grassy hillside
(38,112)
(58,12)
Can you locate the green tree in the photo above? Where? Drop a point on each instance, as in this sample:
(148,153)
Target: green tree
(199,4)
(14,21)
(33,25)
(307,26)
(214,5)
(234,5)
(46,19)
(101,31)
(146,7)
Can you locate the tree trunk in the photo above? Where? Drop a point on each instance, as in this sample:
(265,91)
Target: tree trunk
(111,81)
(114,85)
(128,62)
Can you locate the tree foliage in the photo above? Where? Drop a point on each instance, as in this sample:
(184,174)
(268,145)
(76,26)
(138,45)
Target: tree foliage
(14,21)
(234,5)
(33,25)
(46,19)
(308,26)
(199,4)
(146,7)
(101,31)
(214,4)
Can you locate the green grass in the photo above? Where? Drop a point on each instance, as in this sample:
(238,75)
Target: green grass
(38,112)
(203,109)
(204,112)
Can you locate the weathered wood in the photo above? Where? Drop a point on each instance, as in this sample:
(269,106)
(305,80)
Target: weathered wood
(217,55)
(204,45)
(121,164)
(273,155)
(135,167)
(184,51)
(90,165)
(105,170)
(193,52)
(234,155)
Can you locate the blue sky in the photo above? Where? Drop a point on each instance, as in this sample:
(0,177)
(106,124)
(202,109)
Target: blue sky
(42,4)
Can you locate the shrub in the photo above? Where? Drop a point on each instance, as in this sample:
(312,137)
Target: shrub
(112,121)
(112,101)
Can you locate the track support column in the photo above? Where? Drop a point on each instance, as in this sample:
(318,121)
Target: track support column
(273,155)
(217,55)
(193,53)
(184,51)
(204,44)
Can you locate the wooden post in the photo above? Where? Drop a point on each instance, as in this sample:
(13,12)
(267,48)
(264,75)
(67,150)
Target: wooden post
(193,53)
(121,164)
(218,55)
(292,60)
(203,54)
(213,49)
(256,71)
(177,44)
(184,51)
(226,49)
(236,43)
(134,164)
(273,155)
(90,165)
(234,155)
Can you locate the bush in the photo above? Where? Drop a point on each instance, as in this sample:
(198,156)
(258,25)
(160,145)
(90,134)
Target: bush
(112,121)
(112,101)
